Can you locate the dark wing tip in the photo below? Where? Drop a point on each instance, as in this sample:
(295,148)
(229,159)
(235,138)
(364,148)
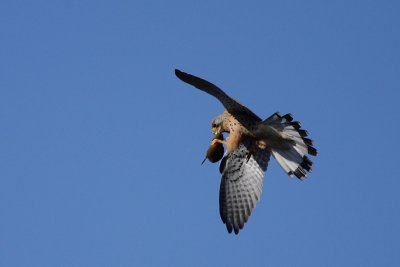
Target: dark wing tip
(236,230)
(229,227)
(198,83)
(178,73)
(232,228)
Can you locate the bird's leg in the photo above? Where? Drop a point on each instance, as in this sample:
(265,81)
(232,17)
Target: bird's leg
(215,140)
(261,144)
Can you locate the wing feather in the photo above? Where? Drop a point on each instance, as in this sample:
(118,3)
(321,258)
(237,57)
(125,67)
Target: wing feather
(240,112)
(241,184)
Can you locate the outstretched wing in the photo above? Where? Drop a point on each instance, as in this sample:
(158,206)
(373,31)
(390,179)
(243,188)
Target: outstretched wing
(240,112)
(241,184)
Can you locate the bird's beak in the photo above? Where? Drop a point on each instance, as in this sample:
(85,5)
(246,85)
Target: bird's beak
(216,130)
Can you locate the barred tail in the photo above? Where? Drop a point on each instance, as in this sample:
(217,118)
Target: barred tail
(289,144)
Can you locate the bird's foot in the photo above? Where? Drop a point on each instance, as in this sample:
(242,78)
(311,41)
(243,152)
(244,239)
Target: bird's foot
(215,140)
(261,144)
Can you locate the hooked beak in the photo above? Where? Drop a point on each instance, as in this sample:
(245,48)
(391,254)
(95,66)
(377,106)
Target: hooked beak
(216,130)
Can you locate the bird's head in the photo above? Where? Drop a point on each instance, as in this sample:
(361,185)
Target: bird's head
(216,125)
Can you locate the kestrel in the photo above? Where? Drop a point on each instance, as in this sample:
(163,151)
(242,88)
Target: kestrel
(250,143)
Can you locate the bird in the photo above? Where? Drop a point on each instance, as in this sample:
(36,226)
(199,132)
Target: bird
(249,146)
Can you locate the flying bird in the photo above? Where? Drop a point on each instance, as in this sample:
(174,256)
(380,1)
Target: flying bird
(250,143)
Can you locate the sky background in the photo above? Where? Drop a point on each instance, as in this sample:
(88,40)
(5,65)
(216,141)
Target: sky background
(101,145)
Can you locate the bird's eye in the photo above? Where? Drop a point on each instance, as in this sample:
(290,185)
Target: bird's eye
(213,125)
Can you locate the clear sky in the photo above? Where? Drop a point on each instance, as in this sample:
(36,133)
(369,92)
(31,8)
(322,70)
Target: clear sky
(101,145)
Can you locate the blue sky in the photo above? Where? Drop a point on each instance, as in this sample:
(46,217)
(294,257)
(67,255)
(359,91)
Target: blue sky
(101,145)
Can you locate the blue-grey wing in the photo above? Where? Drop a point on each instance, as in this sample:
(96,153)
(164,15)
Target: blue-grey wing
(241,183)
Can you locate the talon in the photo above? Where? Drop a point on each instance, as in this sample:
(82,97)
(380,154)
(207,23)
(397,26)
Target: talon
(215,140)
(216,150)
(248,157)
(261,144)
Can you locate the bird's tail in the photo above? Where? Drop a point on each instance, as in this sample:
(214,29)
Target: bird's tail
(289,144)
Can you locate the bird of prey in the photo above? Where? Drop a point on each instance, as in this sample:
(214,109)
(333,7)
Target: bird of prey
(250,143)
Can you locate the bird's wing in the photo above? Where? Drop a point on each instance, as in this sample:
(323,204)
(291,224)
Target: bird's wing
(240,112)
(241,184)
